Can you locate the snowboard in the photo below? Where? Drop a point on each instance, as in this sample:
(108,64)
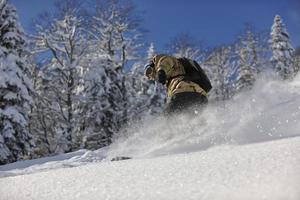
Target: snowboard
(118,158)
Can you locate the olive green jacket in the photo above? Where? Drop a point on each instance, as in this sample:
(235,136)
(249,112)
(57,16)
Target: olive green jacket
(175,74)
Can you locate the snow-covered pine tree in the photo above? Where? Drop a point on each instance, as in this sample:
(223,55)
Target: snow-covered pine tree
(248,61)
(297,60)
(263,51)
(282,49)
(148,96)
(97,108)
(219,70)
(15,89)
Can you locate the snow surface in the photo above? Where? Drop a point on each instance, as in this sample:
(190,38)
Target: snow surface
(248,148)
(259,171)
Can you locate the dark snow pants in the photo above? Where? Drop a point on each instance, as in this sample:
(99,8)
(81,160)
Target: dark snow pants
(185,102)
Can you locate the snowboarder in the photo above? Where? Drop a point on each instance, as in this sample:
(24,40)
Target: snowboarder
(186,83)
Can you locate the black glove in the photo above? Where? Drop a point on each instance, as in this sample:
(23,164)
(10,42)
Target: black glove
(161,77)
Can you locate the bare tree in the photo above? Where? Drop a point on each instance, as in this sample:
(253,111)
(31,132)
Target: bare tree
(64,43)
(184,45)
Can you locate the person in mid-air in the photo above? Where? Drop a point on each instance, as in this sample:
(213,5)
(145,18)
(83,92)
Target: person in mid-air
(186,83)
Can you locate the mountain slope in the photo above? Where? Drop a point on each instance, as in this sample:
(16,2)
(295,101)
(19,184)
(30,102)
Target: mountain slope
(268,170)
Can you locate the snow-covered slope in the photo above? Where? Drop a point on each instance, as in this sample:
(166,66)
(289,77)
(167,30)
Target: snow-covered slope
(268,170)
(248,148)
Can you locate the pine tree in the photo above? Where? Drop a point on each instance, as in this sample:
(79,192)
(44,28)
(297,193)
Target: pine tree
(282,49)
(97,107)
(297,60)
(15,89)
(219,69)
(148,96)
(248,61)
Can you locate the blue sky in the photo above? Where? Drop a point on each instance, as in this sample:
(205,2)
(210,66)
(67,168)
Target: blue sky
(212,21)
